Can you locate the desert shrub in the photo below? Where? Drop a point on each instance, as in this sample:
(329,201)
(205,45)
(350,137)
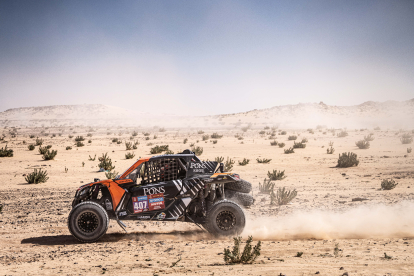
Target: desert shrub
(342,134)
(89,141)
(299,145)
(147,138)
(283,133)
(70,136)
(6,152)
(39,142)
(146,133)
(134,133)
(240,138)
(24,142)
(369,138)
(158,149)
(289,150)
(262,132)
(347,160)
(362,144)
(219,159)
(304,140)
(228,165)
(89,135)
(115,140)
(105,163)
(161,129)
(49,155)
(283,196)
(244,162)
(135,145)
(388,184)
(31,147)
(111,174)
(266,127)
(263,160)
(79,139)
(129,155)
(205,137)
(281,145)
(49,146)
(331,144)
(215,135)
(330,150)
(119,142)
(200,132)
(42,150)
(37,176)
(155,136)
(197,150)
(409,150)
(377,128)
(68,148)
(406,138)
(92,159)
(214,141)
(185,141)
(128,145)
(276,175)
(274,143)
(248,255)
(79,144)
(292,137)
(169,152)
(267,186)
(31,136)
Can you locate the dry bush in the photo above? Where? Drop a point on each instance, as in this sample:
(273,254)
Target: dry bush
(200,132)
(129,155)
(276,175)
(244,162)
(292,137)
(299,145)
(79,139)
(37,176)
(105,163)
(330,150)
(262,132)
(68,148)
(79,144)
(197,150)
(304,140)
(146,134)
(274,143)
(362,144)
(49,155)
(248,255)
(267,186)
(282,196)
(205,137)
(228,165)
(406,138)
(281,145)
(282,133)
(215,135)
(289,150)
(263,160)
(369,138)
(409,150)
(128,146)
(388,184)
(39,142)
(159,149)
(219,159)
(342,134)
(347,160)
(111,174)
(42,150)
(185,141)
(31,147)
(6,152)
(134,133)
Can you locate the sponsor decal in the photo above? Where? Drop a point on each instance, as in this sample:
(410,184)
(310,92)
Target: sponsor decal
(156,202)
(197,166)
(123,213)
(148,203)
(143,217)
(154,190)
(140,204)
(161,216)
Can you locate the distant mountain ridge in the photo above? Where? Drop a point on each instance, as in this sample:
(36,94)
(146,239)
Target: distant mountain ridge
(302,115)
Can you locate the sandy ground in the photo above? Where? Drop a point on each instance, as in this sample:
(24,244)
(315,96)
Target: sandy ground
(35,240)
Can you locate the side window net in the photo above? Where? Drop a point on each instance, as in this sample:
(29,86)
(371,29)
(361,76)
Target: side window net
(164,169)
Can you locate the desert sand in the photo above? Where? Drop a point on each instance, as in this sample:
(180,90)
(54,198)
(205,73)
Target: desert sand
(35,239)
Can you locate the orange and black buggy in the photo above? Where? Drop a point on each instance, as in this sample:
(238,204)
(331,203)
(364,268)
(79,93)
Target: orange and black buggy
(176,187)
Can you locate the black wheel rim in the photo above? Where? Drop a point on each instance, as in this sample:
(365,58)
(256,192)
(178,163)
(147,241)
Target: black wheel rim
(88,222)
(226,220)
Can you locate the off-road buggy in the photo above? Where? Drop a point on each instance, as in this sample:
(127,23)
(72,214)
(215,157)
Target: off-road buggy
(176,187)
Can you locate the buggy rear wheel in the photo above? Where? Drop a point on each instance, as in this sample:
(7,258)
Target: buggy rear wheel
(225,218)
(88,221)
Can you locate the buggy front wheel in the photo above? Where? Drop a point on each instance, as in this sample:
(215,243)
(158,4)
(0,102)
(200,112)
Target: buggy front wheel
(225,218)
(88,221)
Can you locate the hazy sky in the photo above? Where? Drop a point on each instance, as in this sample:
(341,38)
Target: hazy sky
(205,57)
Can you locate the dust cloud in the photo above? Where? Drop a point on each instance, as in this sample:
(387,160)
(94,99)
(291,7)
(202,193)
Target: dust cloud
(375,221)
